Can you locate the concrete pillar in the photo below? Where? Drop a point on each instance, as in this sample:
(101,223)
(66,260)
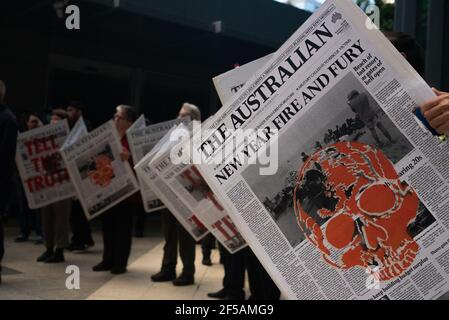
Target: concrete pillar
(405,16)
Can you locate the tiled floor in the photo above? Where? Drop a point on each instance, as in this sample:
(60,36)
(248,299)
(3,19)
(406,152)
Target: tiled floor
(24,278)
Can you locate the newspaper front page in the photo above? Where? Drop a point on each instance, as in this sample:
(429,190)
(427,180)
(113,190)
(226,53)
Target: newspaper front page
(354,204)
(42,171)
(100,177)
(149,175)
(141,140)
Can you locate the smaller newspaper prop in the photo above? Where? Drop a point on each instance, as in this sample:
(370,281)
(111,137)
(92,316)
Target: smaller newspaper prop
(229,83)
(100,177)
(142,140)
(182,213)
(190,187)
(41,168)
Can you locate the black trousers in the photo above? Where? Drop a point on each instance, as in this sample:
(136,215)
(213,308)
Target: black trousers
(261,285)
(117,235)
(81,232)
(139,227)
(175,233)
(234,272)
(2,242)
(207,244)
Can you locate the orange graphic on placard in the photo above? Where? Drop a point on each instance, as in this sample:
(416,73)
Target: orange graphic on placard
(103,173)
(351,205)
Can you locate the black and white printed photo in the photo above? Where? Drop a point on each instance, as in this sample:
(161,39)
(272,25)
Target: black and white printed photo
(346,113)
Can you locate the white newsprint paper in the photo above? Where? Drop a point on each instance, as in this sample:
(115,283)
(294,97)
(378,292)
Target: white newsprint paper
(358,206)
(78,131)
(100,177)
(42,171)
(181,212)
(227,84)
(141,140)
(190,187)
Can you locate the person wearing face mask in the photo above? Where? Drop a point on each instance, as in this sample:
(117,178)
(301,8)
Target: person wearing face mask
(117,222)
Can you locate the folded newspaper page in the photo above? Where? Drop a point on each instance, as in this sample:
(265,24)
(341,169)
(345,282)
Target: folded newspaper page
(100,177)
(227,84)
(78,131)
(190,187)
(182,213)
(337,188)
(42,171)
(141,140)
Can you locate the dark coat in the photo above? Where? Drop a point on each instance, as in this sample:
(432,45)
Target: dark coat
(8,143)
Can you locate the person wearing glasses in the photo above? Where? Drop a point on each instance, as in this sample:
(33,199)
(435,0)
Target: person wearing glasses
(117,222)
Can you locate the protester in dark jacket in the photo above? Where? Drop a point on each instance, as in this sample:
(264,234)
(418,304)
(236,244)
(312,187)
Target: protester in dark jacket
(8,142)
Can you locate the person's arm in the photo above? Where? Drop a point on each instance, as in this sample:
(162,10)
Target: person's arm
(436,111)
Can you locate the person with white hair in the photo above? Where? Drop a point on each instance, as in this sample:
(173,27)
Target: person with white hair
(174,234)
(190,110)
(117,221)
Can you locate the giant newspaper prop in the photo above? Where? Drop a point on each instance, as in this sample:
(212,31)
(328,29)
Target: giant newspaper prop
(182,213)
(141,140)
(100,177)
(192,190)
(41,168)
(358,206)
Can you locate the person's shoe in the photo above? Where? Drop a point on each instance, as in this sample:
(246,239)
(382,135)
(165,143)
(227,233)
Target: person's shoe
(76,247)
(118,270)
(47,254)
(21,238)
(207,262)
(138,234)
(90,244)
(218,295)
(183,280)
(163,276)
(57,257)
(101,267)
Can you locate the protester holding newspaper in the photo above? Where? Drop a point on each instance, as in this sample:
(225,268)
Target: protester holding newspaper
(29,218)
(8,138)
(81,232)
(55,216)
(174,233)
(117,221)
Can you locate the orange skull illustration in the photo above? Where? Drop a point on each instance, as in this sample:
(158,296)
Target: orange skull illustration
(103,173)
(352,206)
